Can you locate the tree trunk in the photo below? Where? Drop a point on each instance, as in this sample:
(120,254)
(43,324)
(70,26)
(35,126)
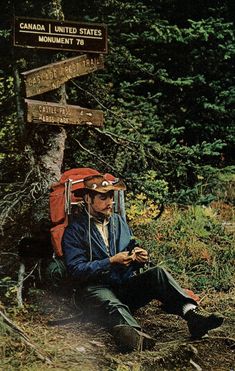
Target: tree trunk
(48,143)
(42,155)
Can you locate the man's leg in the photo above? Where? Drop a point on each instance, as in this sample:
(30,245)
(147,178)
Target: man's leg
(100,304)
(155,283)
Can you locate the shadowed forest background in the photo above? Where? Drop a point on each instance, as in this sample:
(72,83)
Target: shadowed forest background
(168,96)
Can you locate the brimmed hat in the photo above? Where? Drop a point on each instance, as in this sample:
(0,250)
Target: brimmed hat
(104,183)
(94,181)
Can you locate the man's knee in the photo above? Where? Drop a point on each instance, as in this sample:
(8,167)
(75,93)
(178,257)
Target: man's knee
(103,297)
(158,273)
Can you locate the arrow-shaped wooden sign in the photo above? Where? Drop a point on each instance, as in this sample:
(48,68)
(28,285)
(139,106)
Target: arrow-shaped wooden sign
(52,76)
(40,112)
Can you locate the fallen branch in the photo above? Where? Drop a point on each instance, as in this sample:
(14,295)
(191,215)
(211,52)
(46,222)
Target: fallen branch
(24,337)
(226,339)
(20,284)
(63,321)
(21,279)
(195,365)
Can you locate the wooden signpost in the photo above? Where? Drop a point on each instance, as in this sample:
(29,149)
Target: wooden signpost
(52,76)
(61,35)
(39,112)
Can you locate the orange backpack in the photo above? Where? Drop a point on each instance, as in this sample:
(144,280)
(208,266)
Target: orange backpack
(62,199)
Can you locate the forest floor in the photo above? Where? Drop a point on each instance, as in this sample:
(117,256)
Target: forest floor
(30,343)
(83,346)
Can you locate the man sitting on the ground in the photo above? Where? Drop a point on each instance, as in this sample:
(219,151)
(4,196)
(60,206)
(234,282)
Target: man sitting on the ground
(99,256)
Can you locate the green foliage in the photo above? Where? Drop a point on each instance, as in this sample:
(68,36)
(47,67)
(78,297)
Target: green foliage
(168,89)
(212,184)
(167,92)
(192,243)
(8,290)
(150,185)
(8,125)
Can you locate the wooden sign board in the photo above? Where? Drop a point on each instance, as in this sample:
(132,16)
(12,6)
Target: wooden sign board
(39,112)
(60,35)
(52,76)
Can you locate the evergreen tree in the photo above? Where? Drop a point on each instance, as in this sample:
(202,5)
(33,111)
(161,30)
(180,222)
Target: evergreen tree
(167,92)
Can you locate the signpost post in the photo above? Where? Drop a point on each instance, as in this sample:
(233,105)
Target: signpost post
(61,35)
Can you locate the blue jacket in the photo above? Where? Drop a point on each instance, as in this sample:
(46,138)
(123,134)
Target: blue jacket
(90,264)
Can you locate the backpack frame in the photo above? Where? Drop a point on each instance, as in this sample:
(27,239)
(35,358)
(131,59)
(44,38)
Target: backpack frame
(63,201)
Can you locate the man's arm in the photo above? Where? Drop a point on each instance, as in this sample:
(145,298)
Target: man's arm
(123,258)
(77,257)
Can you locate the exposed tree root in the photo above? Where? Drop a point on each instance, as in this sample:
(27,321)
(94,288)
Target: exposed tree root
(19,332)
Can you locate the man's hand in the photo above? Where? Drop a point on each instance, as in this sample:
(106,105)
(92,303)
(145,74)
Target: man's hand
(122,258)
(137,254)
(140,255)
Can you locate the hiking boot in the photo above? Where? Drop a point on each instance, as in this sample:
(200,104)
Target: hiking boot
(200,323)
(129,338)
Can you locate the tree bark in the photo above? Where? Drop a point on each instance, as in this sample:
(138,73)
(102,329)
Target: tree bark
(42,155)
(48,143)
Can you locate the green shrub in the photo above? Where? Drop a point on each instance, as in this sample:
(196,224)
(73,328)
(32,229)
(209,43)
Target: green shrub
(193,244)
(212,184)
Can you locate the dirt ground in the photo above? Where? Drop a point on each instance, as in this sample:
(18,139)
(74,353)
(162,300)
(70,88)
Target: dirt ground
(84,346)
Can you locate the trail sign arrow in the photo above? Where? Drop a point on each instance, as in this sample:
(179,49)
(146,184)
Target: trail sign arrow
(52,76)
(40,112)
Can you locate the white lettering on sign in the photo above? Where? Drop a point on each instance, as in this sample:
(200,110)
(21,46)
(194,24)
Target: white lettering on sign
(48,112)
(54,75)
(54,110)
(53,119)
(32,26)
(63,29)
(80,42)
(58,34)
(55,40)
(90,32)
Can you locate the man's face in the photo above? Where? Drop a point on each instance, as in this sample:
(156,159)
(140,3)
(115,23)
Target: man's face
(102,203)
